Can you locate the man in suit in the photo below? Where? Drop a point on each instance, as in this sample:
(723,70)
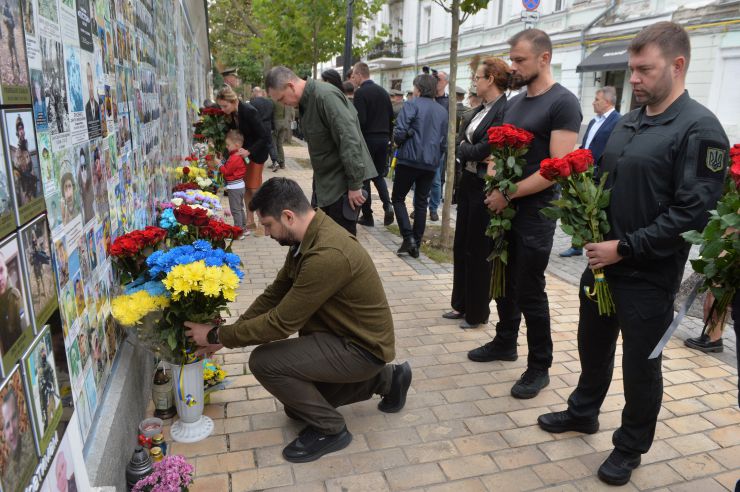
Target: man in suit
(92,108)
(375,112)
(597,134)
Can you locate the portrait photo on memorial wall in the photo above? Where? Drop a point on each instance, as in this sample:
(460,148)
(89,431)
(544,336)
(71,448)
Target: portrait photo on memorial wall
(49,10)
(16,332)
(37,253)
(67,472)
(69,191)
(42,383)
(54,84)
(7,213)
(14,88)
(23,163)
(17,447)
(85,182)
(40,114)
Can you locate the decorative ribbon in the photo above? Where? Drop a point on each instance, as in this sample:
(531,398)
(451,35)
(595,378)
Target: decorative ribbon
(591,292)
(187,399)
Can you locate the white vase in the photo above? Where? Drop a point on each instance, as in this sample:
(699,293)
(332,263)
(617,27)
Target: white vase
(192,426)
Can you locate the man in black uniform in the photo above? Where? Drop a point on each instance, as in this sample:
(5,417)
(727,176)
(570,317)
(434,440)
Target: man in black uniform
(553,114)
(666,164)
(375,112)
(266,108)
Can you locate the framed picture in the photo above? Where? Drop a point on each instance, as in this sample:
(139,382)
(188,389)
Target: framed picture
(7,219)
(16,332)
(42,382)
(23,163)
(17,449)
(67,472)
(37,253)
(14,67)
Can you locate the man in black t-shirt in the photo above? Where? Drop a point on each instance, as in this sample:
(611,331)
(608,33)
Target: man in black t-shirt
(553,115)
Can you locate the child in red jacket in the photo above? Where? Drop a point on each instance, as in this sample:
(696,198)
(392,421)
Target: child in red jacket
(233,172)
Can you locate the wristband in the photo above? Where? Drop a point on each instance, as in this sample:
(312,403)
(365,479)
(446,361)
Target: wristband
(505,193)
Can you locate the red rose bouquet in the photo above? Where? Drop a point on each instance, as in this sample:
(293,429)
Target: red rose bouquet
(129,251)
(581,210)
(185,187)
(187,215)
(212,127)
(719,257)
(217,232)
(508,146)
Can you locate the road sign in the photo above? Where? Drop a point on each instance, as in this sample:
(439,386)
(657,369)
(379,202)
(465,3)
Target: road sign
(529,16)
(531,4)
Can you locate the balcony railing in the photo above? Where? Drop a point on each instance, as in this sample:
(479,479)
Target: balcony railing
(386,49)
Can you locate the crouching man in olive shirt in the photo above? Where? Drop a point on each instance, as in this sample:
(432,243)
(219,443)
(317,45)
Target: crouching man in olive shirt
(330,293)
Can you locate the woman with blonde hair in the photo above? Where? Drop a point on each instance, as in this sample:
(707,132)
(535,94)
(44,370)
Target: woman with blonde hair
(244,117)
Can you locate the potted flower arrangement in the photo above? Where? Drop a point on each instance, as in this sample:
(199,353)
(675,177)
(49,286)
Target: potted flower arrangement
(172,474)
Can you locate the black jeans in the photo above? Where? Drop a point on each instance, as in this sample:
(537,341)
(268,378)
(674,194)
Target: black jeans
(530,242)
(404,178)
(644,312)
(378,147)
(471,279)
(335,212)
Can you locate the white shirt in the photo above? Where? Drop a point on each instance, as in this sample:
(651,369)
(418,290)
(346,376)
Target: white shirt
(598,121)
(478,118)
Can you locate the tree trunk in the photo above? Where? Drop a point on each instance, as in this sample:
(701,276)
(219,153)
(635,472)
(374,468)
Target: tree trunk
(447,237)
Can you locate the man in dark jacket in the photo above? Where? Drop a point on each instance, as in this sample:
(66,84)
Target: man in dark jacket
(597,134)
(421,136)
(339,155)
(375,112)
(266,108)
(666,165)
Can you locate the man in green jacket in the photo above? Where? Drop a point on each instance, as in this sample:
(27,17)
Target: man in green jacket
(330,293)
(338,153)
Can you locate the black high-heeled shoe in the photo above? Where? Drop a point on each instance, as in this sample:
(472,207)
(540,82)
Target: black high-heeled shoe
(453,315)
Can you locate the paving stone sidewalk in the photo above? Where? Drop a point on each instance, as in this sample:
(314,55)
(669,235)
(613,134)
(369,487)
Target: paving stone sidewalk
(460,430)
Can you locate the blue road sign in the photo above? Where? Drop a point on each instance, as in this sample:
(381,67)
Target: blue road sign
(531,4)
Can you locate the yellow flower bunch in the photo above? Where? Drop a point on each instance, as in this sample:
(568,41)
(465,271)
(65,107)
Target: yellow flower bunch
(195,172)
(209,195)
(197,277)
(212,372)
(131,308)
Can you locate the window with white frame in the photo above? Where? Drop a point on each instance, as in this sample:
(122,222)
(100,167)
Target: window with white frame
(426,24)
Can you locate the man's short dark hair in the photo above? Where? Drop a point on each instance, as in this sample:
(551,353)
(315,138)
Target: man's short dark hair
(539,39)
(278,194)
(671,38)
(426,84)
(348,88)
(362,69)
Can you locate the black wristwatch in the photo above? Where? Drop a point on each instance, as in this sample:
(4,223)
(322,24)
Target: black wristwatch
(212,336)
(624,249)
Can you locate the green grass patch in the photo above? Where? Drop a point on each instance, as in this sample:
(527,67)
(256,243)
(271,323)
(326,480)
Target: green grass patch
(430,244)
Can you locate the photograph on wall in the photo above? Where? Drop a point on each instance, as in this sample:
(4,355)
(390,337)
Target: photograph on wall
(55,88)
(92,105)
(37,250)
(67,473)
(29,17)
(40,114)
(43,384)
(17,447)
(68,189)
(48,10)
(77,121)
(7,219)
(14,87)
(84,25)
(23,159)
(85,182)
(16,332)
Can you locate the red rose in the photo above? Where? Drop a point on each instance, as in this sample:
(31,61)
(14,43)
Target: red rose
(509,136)
(184,214)
(553,168)
(186,170)
(198,136)
(735,171)
(580,160)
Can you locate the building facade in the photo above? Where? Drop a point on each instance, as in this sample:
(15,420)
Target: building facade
(590,38)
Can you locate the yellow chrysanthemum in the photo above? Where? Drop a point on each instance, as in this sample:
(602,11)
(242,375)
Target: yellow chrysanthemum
(131,308)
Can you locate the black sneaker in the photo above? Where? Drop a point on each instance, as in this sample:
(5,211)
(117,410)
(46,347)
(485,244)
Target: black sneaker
(311,444)
(617,469)
(530,384)
(433,216)
(490,352)
(703,344)
(557,422)
(396,398)
(367,221)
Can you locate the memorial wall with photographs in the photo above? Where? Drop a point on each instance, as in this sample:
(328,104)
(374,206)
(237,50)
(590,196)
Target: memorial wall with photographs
(97,100)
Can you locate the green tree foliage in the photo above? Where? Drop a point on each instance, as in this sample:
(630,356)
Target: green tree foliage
(295,33)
